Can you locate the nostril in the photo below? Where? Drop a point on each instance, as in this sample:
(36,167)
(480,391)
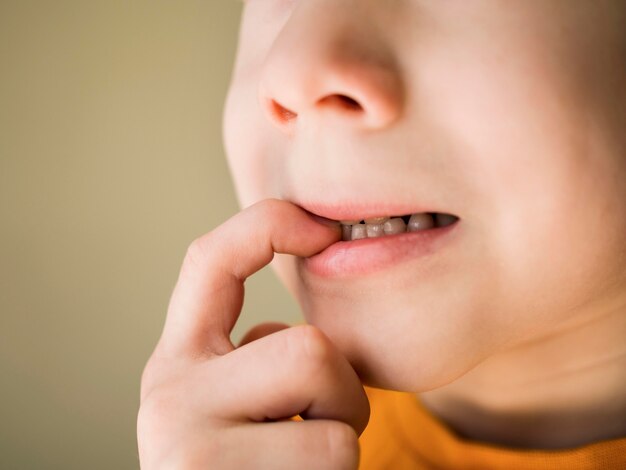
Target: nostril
(285,117)
(342,101)
(282,114)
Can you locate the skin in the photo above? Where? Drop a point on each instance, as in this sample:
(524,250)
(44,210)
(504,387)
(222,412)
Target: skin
(517,326)
(201,396)
(510,115)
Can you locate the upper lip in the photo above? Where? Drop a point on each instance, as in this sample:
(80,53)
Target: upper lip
(351,210)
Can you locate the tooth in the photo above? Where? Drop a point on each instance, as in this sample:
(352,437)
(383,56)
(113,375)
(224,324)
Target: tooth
(346,232)
(445,219)
(374,230)
(420,222)
(358,231)
(349,222)
(394,225)
(376,220)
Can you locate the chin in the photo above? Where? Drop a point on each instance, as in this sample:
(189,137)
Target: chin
(399,364)
(381,352)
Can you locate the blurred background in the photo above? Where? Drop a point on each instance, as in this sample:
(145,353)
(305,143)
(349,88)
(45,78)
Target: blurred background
(111,163)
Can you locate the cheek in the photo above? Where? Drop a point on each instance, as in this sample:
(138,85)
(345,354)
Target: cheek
(248,150)
(559,221)
(571,252)
(547,186)
(409,338)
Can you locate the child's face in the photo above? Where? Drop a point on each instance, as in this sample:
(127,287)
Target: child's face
(510,115)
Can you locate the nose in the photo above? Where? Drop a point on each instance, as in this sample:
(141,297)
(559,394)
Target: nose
(325,65)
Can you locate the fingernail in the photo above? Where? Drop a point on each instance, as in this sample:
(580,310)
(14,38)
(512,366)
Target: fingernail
(325,221)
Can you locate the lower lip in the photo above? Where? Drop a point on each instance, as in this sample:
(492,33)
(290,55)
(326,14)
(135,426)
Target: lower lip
(367,255)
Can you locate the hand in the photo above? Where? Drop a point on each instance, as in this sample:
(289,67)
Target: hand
(206,404)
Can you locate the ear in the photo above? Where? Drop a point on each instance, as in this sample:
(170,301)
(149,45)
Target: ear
(261,330)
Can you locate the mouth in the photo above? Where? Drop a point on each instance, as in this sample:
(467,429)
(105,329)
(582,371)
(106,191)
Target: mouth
(392,225)
(372,242)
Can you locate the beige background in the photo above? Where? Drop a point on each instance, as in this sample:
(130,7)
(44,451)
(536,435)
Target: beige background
(111,162)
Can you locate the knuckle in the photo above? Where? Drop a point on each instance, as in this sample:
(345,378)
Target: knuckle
(194,455)
(159,416)
(196,253)
(317,345)
(147,379)
(270,209)
(162,386)
(199,254)
(150,375)
(167,438)
(155,371)
(268,204)
(150,419)
(157,406)
(313,344)
(343,446)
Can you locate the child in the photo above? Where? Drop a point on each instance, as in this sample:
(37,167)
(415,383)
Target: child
(477,318)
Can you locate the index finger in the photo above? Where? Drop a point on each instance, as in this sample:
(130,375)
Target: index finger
(208,295)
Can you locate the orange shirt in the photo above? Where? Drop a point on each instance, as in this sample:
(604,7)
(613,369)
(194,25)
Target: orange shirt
(403,434)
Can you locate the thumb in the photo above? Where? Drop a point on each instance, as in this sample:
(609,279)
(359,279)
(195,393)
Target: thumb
(261,330)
